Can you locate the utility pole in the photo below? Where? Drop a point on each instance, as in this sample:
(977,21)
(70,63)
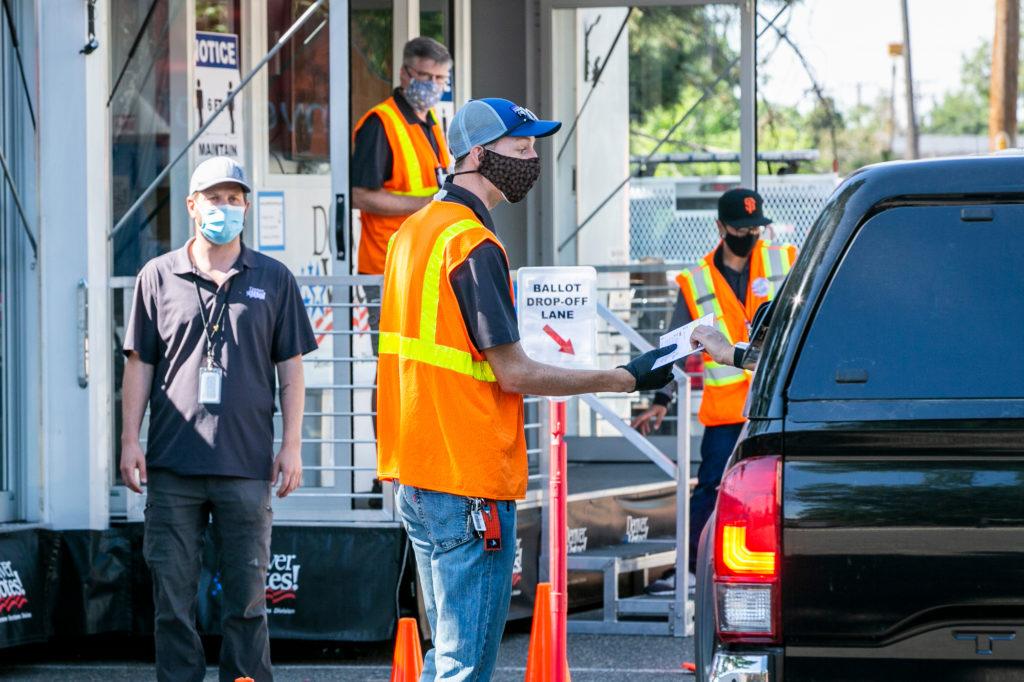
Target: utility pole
(1002,98)
(895,52)
(912,150)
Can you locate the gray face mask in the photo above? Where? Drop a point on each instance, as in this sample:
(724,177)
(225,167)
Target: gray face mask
(422,95)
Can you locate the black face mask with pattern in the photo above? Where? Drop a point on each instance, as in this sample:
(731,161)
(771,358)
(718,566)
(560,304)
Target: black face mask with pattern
(513,177)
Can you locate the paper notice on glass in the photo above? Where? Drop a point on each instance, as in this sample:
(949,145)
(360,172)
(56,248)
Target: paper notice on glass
(681,337)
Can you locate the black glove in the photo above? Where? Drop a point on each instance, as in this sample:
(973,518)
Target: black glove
(648,379)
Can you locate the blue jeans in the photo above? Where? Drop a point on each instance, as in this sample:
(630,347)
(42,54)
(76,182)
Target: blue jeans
(715,448)
(466,589)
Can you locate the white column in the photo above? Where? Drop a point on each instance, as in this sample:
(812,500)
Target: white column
(74,200)
(462,46)
(405,26)
(748,94)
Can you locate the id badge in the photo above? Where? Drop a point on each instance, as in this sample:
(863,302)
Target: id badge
(209,385)
(478,522)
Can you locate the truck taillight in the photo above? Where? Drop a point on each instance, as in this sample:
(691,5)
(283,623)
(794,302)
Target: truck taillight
(748,551)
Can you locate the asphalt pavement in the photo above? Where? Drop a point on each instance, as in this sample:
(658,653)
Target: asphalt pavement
(591,658)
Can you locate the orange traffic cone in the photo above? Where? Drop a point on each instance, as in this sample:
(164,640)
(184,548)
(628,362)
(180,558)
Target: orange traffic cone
(408,661)
(244,679)
(538,658)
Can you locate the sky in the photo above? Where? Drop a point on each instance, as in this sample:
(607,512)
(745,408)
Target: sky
(846,43)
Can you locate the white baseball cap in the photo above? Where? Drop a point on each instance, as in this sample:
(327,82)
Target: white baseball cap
(215,171)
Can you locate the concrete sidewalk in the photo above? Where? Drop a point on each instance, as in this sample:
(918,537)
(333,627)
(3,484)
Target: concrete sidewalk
(592,658)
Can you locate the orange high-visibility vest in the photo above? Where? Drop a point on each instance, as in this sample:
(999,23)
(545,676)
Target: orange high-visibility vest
(706,291)
(413,173)
(443,422)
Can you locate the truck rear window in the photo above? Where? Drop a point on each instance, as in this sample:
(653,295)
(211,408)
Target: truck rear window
(928,302)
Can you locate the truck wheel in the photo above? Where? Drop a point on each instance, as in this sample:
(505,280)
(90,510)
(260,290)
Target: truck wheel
(704,637)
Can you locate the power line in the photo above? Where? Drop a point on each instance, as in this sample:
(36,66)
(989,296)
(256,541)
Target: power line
(682,119)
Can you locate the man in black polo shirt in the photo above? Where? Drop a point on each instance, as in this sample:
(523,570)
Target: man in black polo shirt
(210,324)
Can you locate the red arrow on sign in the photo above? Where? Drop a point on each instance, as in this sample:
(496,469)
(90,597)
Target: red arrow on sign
(563,345)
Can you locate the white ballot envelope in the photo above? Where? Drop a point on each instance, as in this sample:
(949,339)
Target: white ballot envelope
(681,337)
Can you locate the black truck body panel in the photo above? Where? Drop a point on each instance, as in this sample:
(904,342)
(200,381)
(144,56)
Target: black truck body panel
(902,490)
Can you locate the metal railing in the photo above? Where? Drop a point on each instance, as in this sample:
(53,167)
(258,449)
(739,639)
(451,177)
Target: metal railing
(338,434)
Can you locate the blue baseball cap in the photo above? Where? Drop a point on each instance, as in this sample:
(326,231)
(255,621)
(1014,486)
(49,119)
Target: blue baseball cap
(482,121)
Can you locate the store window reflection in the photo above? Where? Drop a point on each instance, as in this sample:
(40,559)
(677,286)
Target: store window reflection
(298,92)
(141,122)
(436,21)
(370,55)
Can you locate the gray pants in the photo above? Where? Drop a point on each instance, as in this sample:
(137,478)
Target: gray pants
(178,509)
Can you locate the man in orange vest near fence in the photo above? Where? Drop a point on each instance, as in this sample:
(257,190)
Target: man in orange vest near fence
(740,274)
(450,382)
(399,156)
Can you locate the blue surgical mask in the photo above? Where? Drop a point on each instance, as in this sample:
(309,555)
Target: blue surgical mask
(221,224)
(422,95)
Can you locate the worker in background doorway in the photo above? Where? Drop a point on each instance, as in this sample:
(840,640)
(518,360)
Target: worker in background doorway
(451,377)
(400,156)
(742,272)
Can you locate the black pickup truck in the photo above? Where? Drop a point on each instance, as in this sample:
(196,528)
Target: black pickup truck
(870,523)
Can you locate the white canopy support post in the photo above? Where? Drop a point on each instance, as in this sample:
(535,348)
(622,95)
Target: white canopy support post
(748,93)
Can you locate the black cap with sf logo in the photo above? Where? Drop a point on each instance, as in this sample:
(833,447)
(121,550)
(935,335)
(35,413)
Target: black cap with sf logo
(742,208)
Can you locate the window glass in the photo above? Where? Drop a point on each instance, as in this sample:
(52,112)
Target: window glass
(923,305)
(140,123)
(371,29)
(17,144)
(7,224)
(298,91)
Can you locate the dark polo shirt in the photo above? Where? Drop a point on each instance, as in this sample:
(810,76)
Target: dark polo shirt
(264,323)
(481,281)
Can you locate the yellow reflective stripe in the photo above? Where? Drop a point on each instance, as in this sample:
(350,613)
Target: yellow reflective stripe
(702,287)
(776,266)
(722,375)
(412,162)
(425,349)
(426,192)
(391,242)
(766,260)
(709,282)
(431,296)
(435,355)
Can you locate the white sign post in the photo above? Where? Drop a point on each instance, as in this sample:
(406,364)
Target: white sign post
(558,326)
(558,315)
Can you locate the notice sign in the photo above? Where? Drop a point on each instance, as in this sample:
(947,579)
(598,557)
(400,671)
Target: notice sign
(558,315)
(217,74)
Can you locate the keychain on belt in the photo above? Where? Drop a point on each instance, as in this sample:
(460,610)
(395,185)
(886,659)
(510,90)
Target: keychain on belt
(210,376)
(486,523)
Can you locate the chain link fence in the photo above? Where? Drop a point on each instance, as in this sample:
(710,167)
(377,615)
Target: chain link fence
(673,219)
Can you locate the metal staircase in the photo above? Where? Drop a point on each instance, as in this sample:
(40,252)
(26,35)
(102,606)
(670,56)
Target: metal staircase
(642,614)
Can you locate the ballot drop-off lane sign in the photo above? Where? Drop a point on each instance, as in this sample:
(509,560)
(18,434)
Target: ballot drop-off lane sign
(557,308)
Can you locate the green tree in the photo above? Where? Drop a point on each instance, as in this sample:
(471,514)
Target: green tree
(964,110)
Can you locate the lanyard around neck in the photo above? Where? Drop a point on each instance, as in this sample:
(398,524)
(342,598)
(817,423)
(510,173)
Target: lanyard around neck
(211,331)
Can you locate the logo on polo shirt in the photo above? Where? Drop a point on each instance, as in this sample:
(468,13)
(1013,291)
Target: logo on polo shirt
(256,292)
